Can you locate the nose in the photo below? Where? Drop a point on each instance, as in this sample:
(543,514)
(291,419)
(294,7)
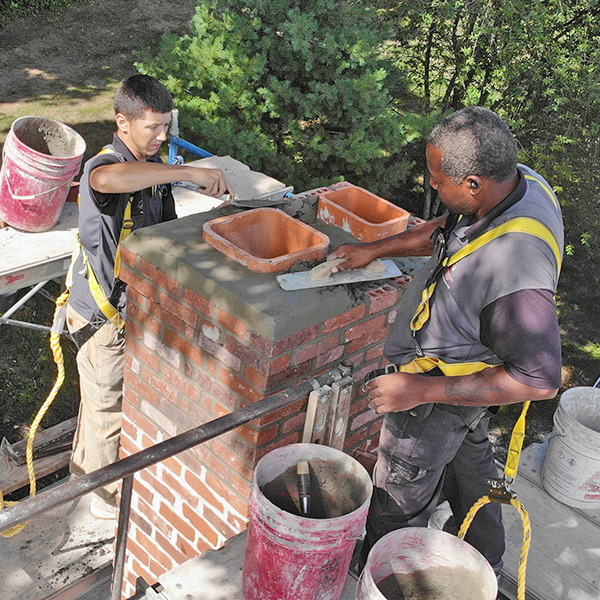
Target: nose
(162,135)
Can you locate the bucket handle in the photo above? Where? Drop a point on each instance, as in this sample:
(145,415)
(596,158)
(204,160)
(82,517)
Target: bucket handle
(27,199)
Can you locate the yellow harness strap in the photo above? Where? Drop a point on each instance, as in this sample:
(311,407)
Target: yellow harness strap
(518,225)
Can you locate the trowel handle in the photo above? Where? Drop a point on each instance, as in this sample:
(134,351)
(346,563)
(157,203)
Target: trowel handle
(303,473)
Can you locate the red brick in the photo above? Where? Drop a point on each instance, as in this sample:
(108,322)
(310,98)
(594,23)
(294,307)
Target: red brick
(177,308)
(210,461)
(240,386)
(170,549)
(143,354)
(258,379)
(382,298)
(247,355)
(294,423)
(145,573)
(221,353)
(185,547)
(284,413)
(143,423)
(173,464)
(375,353)
(198,302)
(153,517)
(160,569)
(167,318)
(241,486)
(234,325)
(201,525)
(161,278)
(364,341)
(142,523)
(128,446)
(190,351)
(363,419)
(144,286)
(219,524)
(293,341)
(140,553)
(202,490)
(176,521)
(129,259)
(365,327)
(158,486)
(216,389)
(141,489)
(315,349)
(292,438)
(330,357)
(237,454)
(290,375)
(220,487)
(351,316)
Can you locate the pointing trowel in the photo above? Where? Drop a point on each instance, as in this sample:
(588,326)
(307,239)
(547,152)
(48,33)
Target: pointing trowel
(321,275)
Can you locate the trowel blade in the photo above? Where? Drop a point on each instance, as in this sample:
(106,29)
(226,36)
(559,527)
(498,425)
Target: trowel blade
(303,279)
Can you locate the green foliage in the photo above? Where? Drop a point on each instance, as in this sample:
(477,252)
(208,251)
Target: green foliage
(298,89)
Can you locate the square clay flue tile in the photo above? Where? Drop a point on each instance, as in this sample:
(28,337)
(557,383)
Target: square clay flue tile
(266,240)
(361,213)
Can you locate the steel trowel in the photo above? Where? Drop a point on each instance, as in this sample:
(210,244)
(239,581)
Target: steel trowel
(322,275)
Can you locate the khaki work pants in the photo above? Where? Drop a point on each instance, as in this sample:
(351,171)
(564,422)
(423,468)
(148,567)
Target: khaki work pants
(100,362)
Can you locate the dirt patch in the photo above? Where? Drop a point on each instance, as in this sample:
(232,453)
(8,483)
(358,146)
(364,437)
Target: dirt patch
(85,45)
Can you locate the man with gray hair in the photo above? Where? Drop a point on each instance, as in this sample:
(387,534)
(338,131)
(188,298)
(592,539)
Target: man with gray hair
(477,328)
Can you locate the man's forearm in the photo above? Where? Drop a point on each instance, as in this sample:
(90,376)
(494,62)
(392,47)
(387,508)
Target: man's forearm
(490,387)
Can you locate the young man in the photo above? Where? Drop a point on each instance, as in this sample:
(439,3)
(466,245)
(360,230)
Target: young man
(487,335)
(124,187)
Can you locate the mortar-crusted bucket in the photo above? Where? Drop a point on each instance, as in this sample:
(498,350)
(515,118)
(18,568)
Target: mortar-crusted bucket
(40,159)
(426,564)
(294,557)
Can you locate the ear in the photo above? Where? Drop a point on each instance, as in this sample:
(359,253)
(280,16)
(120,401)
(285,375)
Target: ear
(474,182)
(122,123)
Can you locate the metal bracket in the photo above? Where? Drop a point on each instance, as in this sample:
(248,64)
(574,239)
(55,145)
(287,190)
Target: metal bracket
(500,490)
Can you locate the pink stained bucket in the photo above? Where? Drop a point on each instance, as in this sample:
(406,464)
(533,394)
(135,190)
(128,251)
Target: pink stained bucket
(40,159)
(294,557)
(425,564)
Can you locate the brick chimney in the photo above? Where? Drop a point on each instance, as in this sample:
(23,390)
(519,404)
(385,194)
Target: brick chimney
(206,336)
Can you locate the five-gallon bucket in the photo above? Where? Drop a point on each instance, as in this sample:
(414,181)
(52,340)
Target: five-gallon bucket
(571,471)
(39,161)
(425,564)
(295,557)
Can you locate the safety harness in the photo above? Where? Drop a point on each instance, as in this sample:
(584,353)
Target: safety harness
(499,490)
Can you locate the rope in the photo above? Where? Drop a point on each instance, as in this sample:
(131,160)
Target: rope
(526,535)
(58,359)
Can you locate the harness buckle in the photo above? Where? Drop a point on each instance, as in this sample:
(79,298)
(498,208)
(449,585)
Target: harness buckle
(499,490)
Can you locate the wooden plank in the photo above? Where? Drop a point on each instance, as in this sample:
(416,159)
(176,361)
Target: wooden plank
(564,559)
(14,476)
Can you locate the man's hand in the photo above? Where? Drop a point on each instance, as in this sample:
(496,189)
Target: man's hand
(355,256)
(212,181)
(392,393)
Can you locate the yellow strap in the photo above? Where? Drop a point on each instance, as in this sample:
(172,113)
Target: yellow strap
(424,364)
(546,189)
(518,225)
(516,444)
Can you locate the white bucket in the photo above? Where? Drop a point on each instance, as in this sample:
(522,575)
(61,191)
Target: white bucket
(426,564)
(571,471)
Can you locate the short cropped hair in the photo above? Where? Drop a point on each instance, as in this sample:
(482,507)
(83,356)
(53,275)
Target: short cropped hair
(140,93)
(475,141)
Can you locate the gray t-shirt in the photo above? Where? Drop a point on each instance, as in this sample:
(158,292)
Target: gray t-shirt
(483,308)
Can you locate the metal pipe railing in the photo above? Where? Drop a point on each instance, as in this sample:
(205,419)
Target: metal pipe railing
(127,467)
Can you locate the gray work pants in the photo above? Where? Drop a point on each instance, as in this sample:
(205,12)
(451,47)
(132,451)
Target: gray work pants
(418,456)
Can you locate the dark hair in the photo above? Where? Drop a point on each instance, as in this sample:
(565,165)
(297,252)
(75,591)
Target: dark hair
(475,141)
(140,93)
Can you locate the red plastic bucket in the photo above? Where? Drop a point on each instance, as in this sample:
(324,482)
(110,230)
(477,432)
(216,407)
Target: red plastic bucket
(294,557)
(40,159)
(426,564)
